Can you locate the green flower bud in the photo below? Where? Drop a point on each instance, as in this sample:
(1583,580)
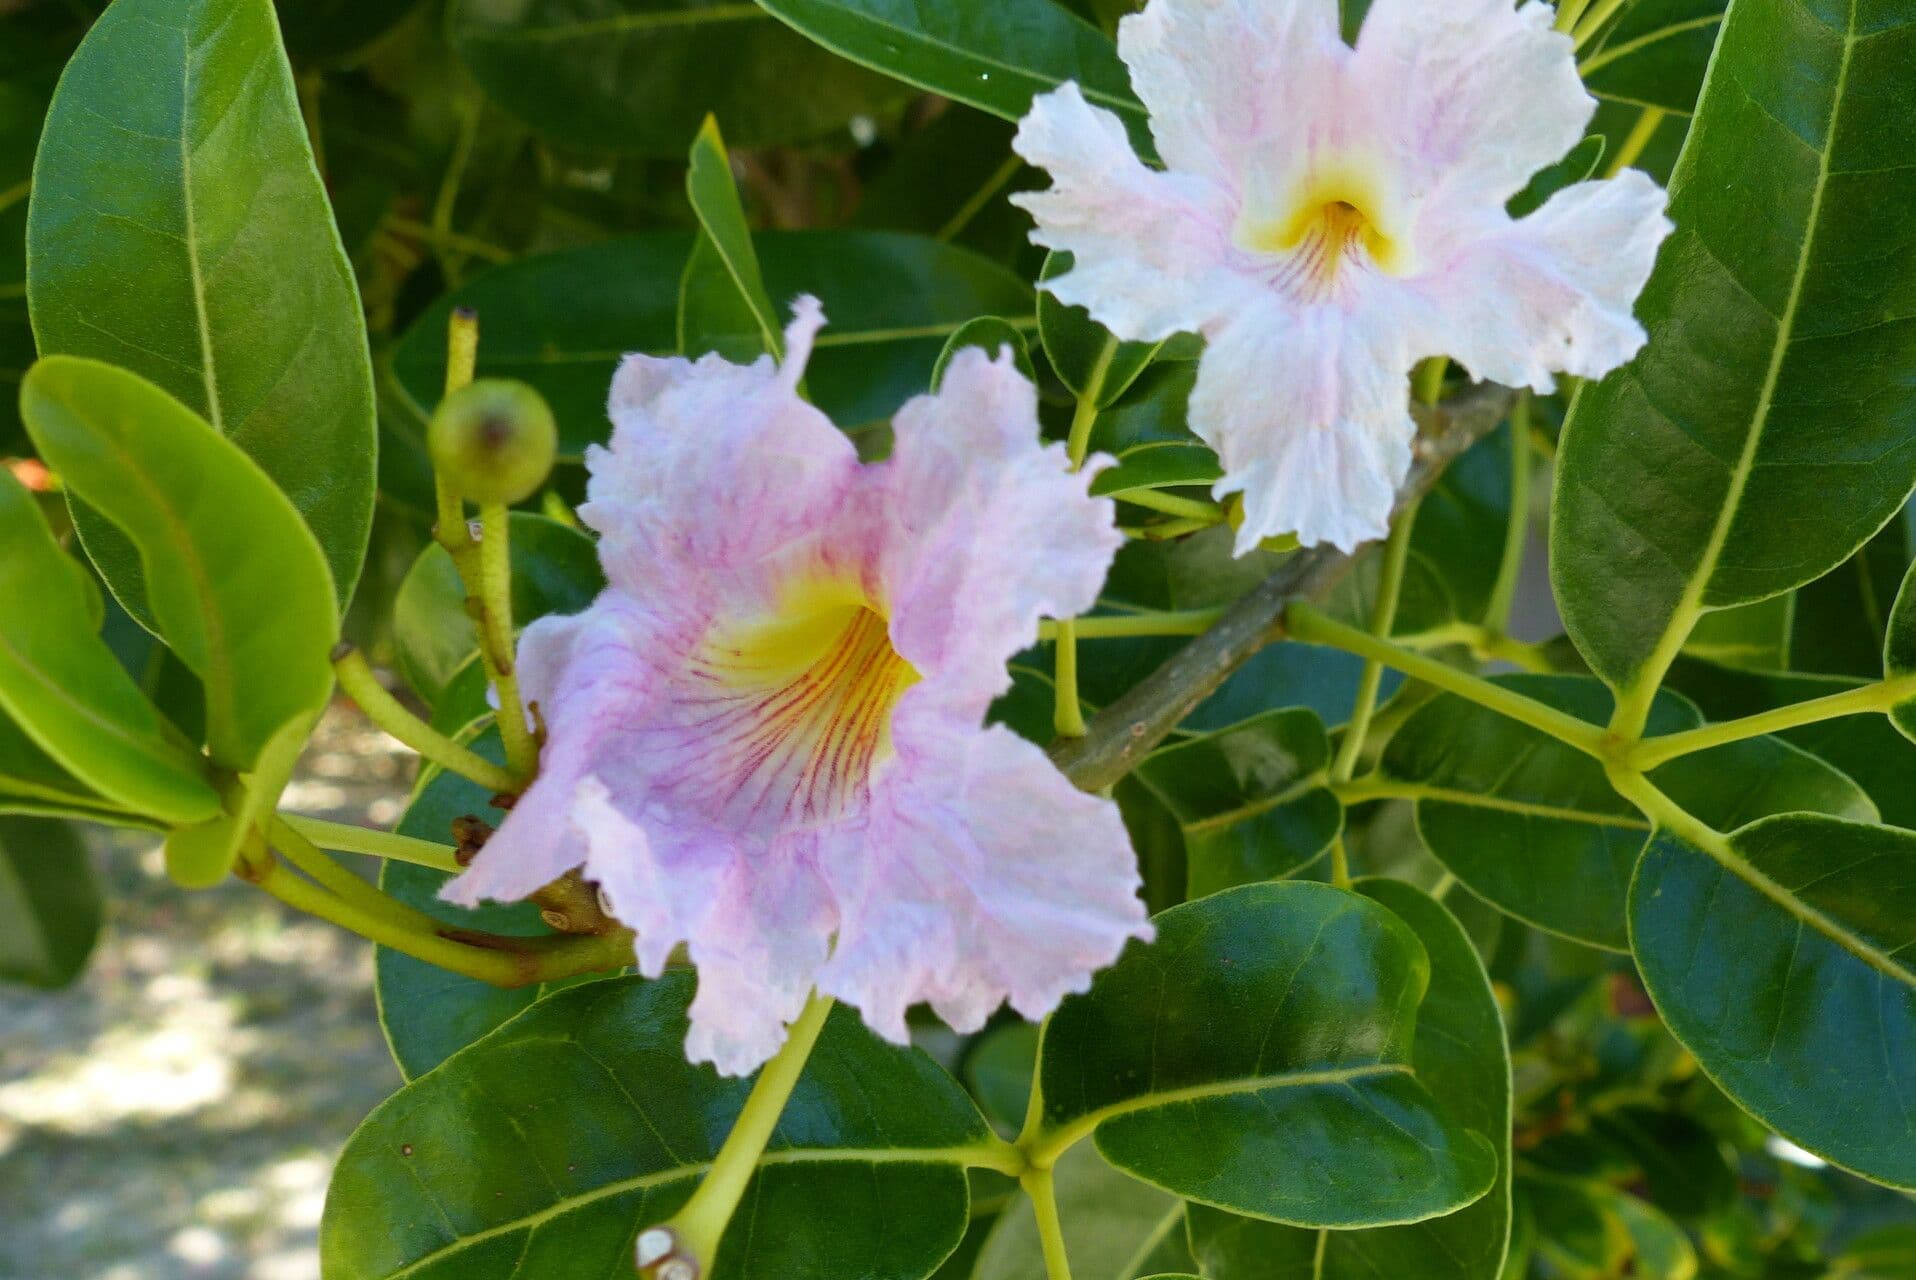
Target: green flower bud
(493,441)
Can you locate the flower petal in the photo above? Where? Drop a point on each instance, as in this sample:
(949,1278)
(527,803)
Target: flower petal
(713,463)
(988,877)
(1484,95)
(1148,248)
(987,530)
(1229,82)
(1310,413)
(1552,292)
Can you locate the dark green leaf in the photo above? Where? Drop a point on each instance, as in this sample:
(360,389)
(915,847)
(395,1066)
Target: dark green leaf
(1460,1053)
(1589,1231)
(1086,357)
(1163,465)
(237,584)
(1532,825)
(1841,618)
(1257,1057)
(995,57)
(1115,1228)
(1899,654)
(62,686)
(992,335)
(324,30)
(1656,53)
(1780,957)
(555,569)
(549,320)
(639,75)
(1252,800)
(999,1068)
(49,903)
(1578,164)
(178,228)
(543,1149)
(21,111)
(1754,636)
(1781,317)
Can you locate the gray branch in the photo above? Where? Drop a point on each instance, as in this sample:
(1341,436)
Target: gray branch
(1121,734)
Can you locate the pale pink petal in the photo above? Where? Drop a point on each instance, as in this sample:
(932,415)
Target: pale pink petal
(1149,249)
(987,530)
(997,881)
(713,463)
(1554,291)
(1310,414)
(1483,94)
(1231,83)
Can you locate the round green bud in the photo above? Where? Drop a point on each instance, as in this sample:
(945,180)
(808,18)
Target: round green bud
(494,441)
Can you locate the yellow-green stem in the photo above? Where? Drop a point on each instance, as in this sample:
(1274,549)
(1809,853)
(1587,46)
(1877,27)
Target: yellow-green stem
(1172,504)
(328,874)
(462,359)
(1568,11)
(384,710)
(1067,714)
(346,838)
(1878,697)
(1383,617)
(1039,1186)
(1503,592)
(1181,622)
(1637,139)
(496,643)
(1429,379)
(701,1224)
(1302,622)
(1594,20)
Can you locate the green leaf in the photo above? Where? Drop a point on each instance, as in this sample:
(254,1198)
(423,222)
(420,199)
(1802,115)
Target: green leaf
(1589,1231)
(1160,465)
(21,111)
(1579,163)
(1755,636)
(1842,618)
(730,267)
(1252,800)
(1899,654)
(1655,54)
(639,75)
(1781,320)
(62,686)
(1886,1253)
(237,584)
(995,57)
(33,783)
(1460,1052)
(50,906)
(543,1149)
(992,335)
(549,320)
(179,229)
(1084,354)
(1115,1227)
(429,1013)
(1532,825)
(1257,1057)
(1781,957)
(327,30)
(555,569)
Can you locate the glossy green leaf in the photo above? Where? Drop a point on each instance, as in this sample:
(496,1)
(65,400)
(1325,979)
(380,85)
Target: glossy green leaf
(1579,163)
(1162,465)
(549,320)
(1083,353)
(429,1013)
(61,685)
(995,57)
(543,1149)
(1899,654)
(1781,318)
(1532,825)
(33,783)
(555,569)
(1252,800)
(1781,957)
(1115,1227)
(639,75)
(723,262)
(179,229)
(1655,54)
(325,30)
(1264,1039)
(1460,1052)
(50,908)
(237,584)
(992,335)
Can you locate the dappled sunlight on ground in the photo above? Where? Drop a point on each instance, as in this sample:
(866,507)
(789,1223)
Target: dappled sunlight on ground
(175,1115)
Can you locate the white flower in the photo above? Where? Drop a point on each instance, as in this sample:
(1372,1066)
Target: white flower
(1331,215)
